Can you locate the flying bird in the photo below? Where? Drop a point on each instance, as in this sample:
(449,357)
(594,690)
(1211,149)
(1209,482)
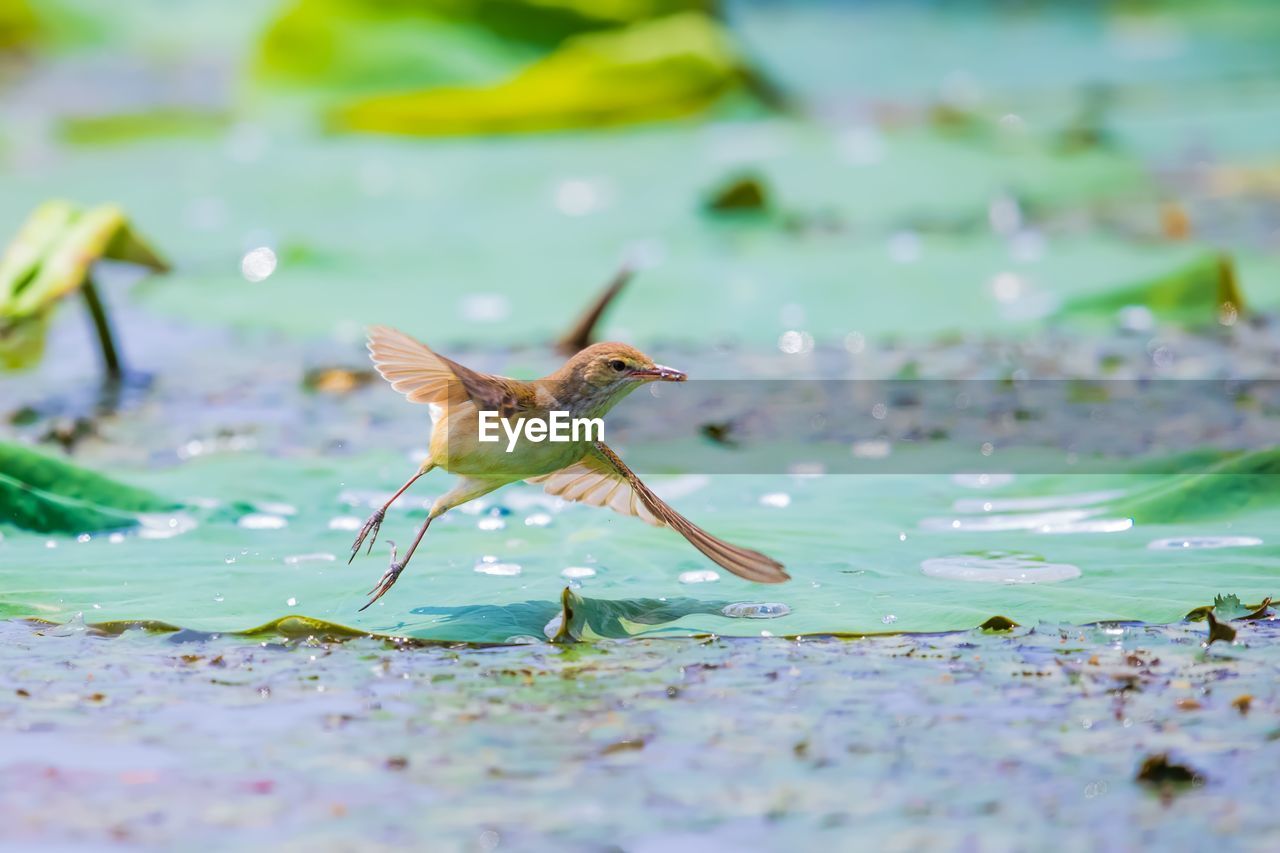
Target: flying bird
(586,470)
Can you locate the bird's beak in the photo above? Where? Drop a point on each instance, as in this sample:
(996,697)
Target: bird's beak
(661,373)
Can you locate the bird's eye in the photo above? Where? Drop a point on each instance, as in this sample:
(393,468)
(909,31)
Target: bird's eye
(618,365)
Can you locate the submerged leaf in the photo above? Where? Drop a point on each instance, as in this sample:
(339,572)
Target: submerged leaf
(655,70)
(47,495)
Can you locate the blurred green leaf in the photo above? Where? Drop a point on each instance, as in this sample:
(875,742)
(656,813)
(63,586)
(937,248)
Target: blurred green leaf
(1242,483)
(46,495)
(1202,292)
(660,69)
(18,24)
(127,127)
(50,258)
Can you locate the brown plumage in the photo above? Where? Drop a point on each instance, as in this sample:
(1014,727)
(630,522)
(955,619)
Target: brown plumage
(588,385)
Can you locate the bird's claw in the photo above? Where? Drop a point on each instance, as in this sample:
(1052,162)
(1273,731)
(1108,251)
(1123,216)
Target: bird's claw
(370,526)
(388,579)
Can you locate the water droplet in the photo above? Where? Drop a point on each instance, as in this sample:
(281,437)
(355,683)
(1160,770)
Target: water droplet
(262,521)
(1191,543)
(795,342)
(155,526)
(219,598)
(998,567)
(229,559)
(115,538)
(491,523)
(776,499)
(538,519)
(578,572)
(982,481)
(258,264)
(699,576)
(83,538)
(292,602)
(50,544)
(345,522)
(888,619)
(487,567)
(749,610)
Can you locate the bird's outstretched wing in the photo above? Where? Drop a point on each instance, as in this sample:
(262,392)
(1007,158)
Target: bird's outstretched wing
(602,479)
(424,376)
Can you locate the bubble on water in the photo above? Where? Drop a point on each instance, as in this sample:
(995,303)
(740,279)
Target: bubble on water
(487,567)
(776,499)
(998,567)
(578,572)
(258,264)
(291,601)
(485,307)
(750,610)
(1191,543)
(888,619)
(981,481)
(162,526)
(491,523)
(83,538)
(699,576)
(115,538)
(538,519)
(219,598)
(262,521)
(317,557)
(229,559)
(345,522)
(1019,504)
(50,544)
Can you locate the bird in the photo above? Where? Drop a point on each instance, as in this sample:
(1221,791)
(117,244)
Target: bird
(585,470)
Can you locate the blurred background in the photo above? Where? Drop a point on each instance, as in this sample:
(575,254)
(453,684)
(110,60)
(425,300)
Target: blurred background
(948,190)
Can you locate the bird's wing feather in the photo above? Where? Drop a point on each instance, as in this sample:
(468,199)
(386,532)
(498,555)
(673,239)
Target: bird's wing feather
(424,376)
(602,479)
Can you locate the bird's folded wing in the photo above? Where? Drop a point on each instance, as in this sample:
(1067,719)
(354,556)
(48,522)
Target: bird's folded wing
(602,479)
(424,376)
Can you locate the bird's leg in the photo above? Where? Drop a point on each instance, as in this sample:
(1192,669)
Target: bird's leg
(392,574)
(465,490)
(375,520)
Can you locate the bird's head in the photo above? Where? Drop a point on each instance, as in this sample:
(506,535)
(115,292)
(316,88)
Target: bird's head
(607,372)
